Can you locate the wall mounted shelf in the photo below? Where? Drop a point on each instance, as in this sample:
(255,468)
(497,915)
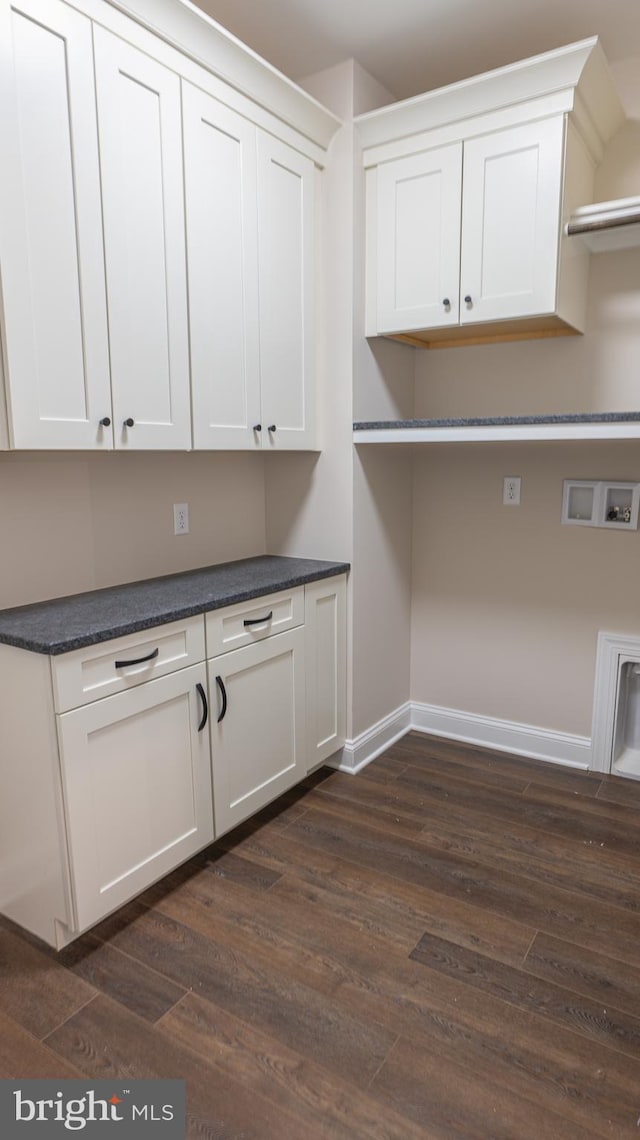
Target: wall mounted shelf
(606,425)
(607,226)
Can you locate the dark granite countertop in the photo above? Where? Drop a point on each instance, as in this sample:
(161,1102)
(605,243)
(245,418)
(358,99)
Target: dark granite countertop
(62,624)
(509,421)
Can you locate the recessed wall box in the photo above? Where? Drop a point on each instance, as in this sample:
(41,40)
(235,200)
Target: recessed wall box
(596,503)
(579,502)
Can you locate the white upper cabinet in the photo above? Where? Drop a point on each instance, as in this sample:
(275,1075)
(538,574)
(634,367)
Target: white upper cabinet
(286,218)
(469,233)
(250,243)
(468,193)
(418,239)
(140,133)
(511,215)
(222,245)
(51,255)
(141,239)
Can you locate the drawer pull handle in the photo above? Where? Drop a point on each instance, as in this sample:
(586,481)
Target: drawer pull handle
(223,693)
(205,707)
(258,621)
(137,660)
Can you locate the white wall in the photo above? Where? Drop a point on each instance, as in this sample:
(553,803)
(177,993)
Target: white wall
(73,522)
(508,602)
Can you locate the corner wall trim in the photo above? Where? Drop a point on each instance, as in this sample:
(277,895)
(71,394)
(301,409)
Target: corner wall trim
(487,732)
(362,749)
(503,735)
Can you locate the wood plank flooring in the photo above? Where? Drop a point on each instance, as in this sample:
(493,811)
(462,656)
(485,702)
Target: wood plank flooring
(444,947)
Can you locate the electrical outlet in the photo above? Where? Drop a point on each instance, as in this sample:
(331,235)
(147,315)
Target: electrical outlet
(180,518)
(511,491)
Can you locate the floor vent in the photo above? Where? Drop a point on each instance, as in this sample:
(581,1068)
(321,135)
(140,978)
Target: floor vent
(616,706)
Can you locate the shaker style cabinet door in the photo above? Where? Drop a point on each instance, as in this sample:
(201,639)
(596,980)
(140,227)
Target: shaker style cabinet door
(51,253)
(418,240)
(137,789)
(511,205)
(286,221)
(257,725)
(222,255)
(140,132)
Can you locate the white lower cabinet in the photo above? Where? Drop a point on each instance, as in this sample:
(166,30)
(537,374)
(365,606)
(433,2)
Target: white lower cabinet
(136,781)
(135,753)
(257,725)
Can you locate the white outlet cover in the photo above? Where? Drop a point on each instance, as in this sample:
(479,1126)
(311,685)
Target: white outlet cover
(180,518)
(511,491)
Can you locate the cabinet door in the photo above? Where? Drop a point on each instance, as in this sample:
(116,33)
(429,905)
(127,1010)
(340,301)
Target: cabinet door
(257,729)
(55,320)
(137,789)
(511,207)
(222,249)
(141,161)
(418,240)
(326,667)
(286,277)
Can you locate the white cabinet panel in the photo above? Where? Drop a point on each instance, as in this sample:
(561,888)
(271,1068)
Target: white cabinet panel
(512,194)
(140,133)
(418,240)
(137,789)
(326,665)
(286,266)
(55,327)
(222,249)
(258,726)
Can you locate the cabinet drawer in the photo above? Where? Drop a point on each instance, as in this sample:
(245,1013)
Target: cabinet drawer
(235,626)
(100,670)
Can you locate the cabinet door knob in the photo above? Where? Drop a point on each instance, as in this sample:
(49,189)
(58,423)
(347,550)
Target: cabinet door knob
(105,422)
(468,300)
(447,303)
(129,422)
(271,428)
(257,427)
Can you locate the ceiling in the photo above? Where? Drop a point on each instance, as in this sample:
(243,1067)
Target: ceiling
(412,46)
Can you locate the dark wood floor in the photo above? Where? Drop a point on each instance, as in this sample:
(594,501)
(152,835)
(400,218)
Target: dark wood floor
(446,945)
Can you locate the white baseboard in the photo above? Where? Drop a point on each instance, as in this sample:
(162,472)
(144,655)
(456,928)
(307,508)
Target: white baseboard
(503,735)
(470,728)
(364,748)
